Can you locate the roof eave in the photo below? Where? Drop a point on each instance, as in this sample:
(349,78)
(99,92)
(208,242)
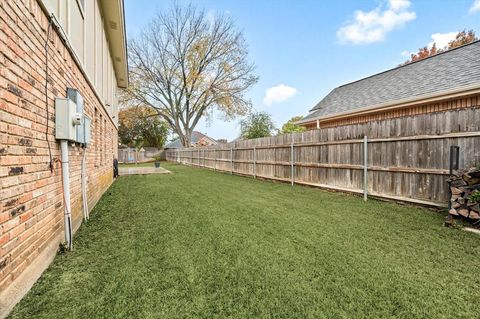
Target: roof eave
(114,23)
(426,98)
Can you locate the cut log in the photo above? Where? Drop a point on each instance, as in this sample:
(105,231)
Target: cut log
(455,190)
(473,181)
(457,182)
(462,186)
(453,212)
(474,174)
(475,207)
(474,215)
(464,212)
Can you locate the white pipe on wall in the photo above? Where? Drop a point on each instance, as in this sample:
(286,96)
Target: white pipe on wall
(86,215)
(66,193)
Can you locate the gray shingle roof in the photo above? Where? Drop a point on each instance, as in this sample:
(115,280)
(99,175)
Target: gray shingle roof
(446,71)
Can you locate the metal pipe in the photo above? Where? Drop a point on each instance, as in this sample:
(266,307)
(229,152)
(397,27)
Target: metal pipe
(254,162)
(292,158)
(66,194)
(86,214)
(365,168)
(454,159)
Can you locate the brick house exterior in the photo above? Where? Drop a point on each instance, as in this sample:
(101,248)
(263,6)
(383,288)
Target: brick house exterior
(31,196)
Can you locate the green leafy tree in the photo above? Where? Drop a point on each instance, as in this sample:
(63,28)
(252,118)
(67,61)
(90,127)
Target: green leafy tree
(142,123)
(257,125)
(291,127)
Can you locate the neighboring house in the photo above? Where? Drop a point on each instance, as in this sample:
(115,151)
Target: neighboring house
(86,52)
(449,80)
(197,139)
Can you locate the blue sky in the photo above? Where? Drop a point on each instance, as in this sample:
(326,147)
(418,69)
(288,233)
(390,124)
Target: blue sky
(303,49)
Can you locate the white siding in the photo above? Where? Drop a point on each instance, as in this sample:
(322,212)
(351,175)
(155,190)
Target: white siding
(90,9)
(77,29)
(82,22)
(98,48)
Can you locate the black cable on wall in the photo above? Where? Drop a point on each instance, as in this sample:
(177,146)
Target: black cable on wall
(50,164)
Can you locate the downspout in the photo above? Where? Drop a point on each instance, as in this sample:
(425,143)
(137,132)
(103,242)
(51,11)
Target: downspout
(66,194)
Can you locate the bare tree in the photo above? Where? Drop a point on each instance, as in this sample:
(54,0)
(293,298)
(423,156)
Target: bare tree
(185,65)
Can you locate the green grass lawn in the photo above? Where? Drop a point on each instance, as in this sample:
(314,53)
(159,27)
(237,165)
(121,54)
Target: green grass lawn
(200,244)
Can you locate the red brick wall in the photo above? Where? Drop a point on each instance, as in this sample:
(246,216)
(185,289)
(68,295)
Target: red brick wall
(31,206)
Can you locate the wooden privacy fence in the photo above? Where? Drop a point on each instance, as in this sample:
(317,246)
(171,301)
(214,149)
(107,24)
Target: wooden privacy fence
(404,159)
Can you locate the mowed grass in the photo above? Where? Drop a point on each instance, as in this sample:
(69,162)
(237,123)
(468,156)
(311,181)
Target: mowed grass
(200,244)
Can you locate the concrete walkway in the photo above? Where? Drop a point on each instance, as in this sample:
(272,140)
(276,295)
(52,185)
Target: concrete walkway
(142,170)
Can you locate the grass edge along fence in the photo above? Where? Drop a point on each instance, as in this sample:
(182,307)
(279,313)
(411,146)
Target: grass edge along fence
(404,159)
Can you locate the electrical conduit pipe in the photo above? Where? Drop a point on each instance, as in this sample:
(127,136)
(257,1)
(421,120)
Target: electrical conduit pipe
(66,194)
(86,215)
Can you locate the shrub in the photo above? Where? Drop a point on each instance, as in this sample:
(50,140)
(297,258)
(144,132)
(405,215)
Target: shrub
(475,196)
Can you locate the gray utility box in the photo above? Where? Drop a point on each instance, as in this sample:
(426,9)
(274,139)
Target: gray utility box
(75,96)
(65,110)
(85,138)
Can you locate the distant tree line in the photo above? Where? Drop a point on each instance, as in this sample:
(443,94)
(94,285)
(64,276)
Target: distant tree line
(462,38)
(260,124)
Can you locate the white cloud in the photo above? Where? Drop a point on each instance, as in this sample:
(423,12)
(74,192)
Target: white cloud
(405,53)
(475,6)
(442,39)
(278,94)
(373,26)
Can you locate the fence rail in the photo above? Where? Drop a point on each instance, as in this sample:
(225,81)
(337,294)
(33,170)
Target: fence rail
(401,159)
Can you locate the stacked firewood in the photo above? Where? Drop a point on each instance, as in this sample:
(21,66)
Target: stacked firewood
(465,195)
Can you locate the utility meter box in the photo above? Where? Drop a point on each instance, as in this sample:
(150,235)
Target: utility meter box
(84,138)
(65,110)
(75,96)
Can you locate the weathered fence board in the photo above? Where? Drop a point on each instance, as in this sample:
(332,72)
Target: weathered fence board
(407,158)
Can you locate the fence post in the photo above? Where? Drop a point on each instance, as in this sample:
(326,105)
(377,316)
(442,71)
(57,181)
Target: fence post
(365,168)
(254,162)
(292,159)
(231,160)
(214,159)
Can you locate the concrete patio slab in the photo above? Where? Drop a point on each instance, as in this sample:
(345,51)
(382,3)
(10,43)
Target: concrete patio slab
(142,170)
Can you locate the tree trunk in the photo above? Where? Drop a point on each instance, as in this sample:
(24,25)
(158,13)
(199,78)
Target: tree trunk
(186,138)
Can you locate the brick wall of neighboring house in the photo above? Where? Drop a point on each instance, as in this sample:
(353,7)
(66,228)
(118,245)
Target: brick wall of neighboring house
(451,104)
(31,200)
